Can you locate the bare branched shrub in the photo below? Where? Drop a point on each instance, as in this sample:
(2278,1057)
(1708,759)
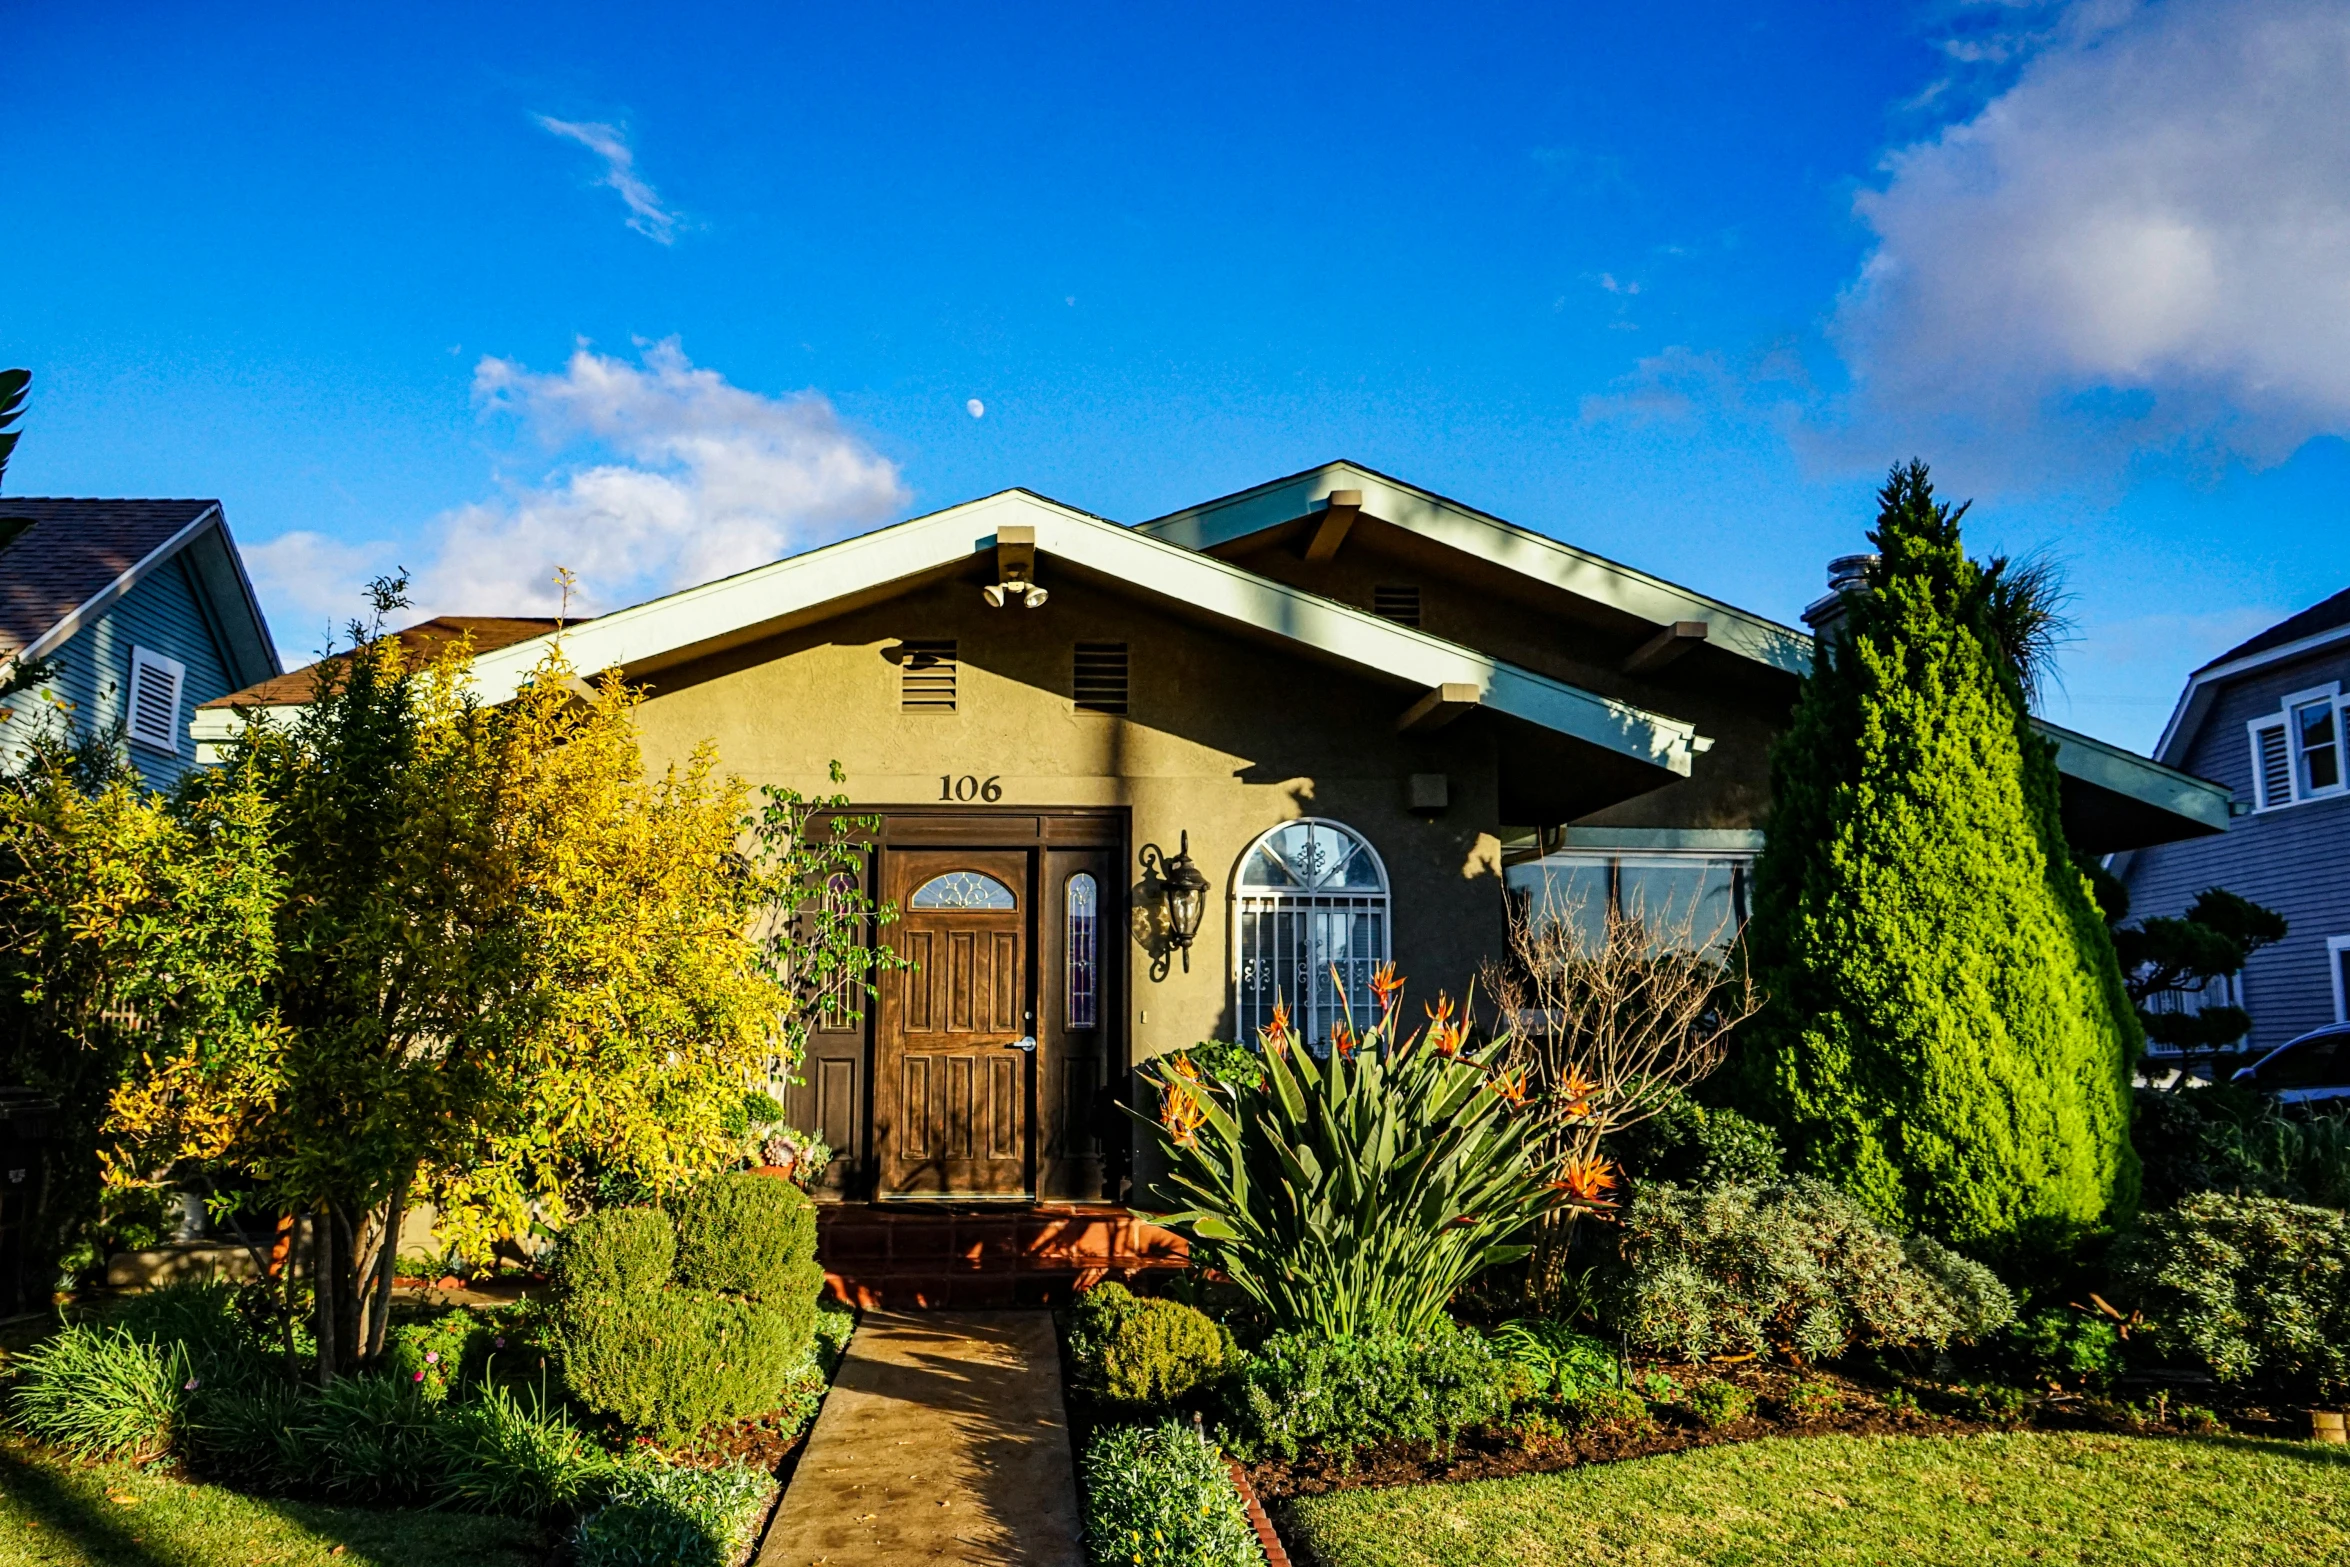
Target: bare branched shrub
(1613,1017)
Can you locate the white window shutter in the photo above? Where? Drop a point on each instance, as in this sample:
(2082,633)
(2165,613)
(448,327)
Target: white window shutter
(156,683)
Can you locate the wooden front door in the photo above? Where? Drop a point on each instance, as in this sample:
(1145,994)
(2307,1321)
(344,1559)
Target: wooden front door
(952,1083)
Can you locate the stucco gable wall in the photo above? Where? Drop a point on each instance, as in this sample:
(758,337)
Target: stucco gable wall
(1224,737)
(1735,703)
(2291,859)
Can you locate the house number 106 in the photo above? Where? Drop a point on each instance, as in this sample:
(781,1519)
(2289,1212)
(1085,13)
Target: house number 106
(970,787)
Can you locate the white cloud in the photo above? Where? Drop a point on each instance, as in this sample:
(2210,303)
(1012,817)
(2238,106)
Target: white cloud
(686,479)
(645,213)
(2144,239)
(311,587)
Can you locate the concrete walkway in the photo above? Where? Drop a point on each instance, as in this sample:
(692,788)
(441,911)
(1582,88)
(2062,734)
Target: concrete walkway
(943,1440)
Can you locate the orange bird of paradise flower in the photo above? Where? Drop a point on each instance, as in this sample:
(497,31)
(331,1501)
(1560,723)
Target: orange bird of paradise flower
(1276,1032)
(1576,1091)
(1182,1115)
(1386,986)
(1588,1182)
(1342,1039)
(1510,1085)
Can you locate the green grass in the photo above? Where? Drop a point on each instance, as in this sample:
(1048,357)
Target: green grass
(1975,1501)
(58,1513)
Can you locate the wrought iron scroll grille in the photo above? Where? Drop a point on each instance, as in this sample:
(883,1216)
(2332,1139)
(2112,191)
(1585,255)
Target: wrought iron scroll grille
(1310,925)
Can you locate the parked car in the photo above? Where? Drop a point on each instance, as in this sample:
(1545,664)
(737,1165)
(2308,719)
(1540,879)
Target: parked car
(2314,1066)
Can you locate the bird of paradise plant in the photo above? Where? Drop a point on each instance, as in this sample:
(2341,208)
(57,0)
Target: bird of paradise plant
(1354,1193)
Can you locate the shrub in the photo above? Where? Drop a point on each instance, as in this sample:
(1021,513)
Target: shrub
(1223,1061)
(1810,1400)
(370,1438)
(254,1436)
(1996,1403)
(746,1234)
(499,1453)
(1561,1361)
(2256,1288)
(2055,1345)
(1354,1194)
(658,1517)
(1718,1404)
(836,1324)
(617,1251)
(1608,1409)
(1797,1267)
(1948,1034)
(1138,1352)
(1302,1390)
(101,1392)
(674,1362)
(461,1345)
(1159,1496)
(205,1316)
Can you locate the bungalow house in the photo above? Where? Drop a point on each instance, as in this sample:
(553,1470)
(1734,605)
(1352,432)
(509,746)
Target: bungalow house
(1139,785)
(2266,718)
(137,610)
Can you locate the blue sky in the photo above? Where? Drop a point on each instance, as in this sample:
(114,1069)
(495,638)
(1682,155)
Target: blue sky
(477,292)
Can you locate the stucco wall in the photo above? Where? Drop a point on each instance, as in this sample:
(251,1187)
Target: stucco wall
(1224,737)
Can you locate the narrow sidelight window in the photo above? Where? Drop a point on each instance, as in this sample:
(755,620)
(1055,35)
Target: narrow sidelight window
(2318,732)
(926,677)
(1399,604)
(1085,982)
(1100,681)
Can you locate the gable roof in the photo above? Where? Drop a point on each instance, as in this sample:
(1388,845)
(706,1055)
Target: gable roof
(803,588)
(1446,521)
(2133,797)
(422,640)
(2321,625)
(77,557)
(2331,614)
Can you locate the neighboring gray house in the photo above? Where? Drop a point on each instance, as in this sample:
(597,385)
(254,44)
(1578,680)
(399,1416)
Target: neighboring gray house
(2266,719)
(141,609)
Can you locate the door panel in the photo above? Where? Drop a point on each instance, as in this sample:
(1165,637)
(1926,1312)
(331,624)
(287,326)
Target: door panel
(829,1098)
(952,1119)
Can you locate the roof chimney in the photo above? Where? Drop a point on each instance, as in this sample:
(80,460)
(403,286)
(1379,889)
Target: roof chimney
(1847,574)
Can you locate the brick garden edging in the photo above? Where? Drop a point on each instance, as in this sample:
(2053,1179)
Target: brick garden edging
(1275,1556)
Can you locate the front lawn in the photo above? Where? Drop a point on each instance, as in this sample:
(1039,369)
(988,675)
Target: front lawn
(58,1513)
(1973,1501)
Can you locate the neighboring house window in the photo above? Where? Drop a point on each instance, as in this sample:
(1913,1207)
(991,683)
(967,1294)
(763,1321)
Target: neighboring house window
(2221,990)
(1084,956)
(1694,897)
(156,684)
(2338,959)
(1309,923)
(2297,751)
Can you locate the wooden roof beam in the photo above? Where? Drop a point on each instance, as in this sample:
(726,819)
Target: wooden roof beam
(1665,647)
(1438,708)
(1338,515)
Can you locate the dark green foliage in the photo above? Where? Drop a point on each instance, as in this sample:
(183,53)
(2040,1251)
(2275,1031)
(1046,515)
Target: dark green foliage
(1796,1267)
(101,1392)
(745,1234)
(1304,1389)
(674,1362)
(212,1323)
(512,1455)
(1701,1145)
(1561,1361)
(674,1518)
(2255,1288)
(1138,1352)
(1718,1404)
(616,1251)
(1158,1496)
(1225,1062)
(2225,1139)
(1810,1400)
(368,1439)
(2218,932)
(2070,1348)
(836,1324)
(1608,1408)
(254,1437)
(1947,1034)
(458,1347)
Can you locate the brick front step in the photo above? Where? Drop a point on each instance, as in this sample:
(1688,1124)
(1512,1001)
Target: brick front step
(908,1257)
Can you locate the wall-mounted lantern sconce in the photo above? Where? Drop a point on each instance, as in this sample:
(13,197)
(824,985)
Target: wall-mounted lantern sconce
(1182,893)
(1015,570)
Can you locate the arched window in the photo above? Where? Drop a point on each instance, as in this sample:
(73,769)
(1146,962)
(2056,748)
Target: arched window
(1084,953)
(1309,925)
(962,890)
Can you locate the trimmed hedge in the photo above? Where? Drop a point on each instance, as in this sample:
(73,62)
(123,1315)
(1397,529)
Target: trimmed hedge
(746,1234)
(673,1362)
(617,1251)
(1303,1389)
(1139,1352)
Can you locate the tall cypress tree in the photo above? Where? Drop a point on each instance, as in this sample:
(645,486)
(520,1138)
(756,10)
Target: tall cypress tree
(1946,1032)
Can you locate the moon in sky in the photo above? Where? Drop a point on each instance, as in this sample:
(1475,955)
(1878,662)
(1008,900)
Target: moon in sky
(975,407)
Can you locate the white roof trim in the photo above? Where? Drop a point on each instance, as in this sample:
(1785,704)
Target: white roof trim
(716,611)
(2188,716)
(1489,538)
(98,603)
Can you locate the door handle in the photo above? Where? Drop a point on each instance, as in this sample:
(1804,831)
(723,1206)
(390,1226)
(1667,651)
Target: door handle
(1027,1043)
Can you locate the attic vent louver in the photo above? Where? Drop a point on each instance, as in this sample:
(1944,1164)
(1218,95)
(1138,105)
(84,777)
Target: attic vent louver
(1100,684)
(1399,604)
(154,707)
(926,677)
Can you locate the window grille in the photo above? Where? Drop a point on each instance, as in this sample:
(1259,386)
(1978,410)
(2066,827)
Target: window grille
(1399,604)
(1310,925)
(1084,955)
(1100,682)
(926,677)
(154,717)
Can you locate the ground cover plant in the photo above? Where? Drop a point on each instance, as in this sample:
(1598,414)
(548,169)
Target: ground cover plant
(2255,1288)
(1976,1501)
(1159,1495)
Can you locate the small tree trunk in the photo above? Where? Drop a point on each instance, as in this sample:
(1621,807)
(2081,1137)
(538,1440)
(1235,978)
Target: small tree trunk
(387,1261)
(322,1290)
(351,1305)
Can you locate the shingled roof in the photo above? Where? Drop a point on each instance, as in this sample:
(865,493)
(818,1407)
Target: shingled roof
(2322,616)
(59,555)
(489,632)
